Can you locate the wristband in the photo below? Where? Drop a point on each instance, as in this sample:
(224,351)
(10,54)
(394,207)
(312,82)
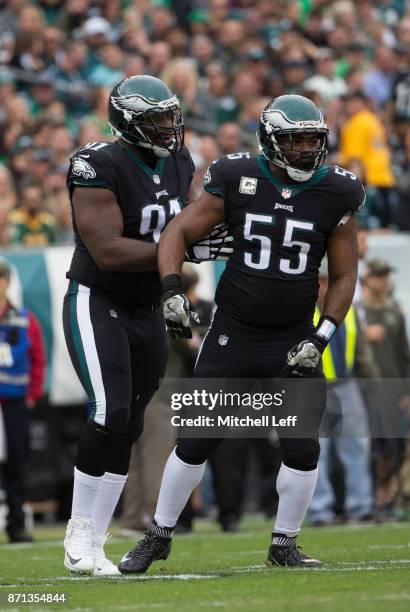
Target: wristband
(171,285)
(325,329)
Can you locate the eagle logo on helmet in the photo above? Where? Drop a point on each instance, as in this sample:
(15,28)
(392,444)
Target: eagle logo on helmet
(140,104)
(82,168)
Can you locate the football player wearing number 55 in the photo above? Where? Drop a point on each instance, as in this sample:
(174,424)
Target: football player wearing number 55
(122,194)
(286,209)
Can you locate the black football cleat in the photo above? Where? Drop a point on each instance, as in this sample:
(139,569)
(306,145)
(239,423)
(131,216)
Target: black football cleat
(151,548)
(290,555)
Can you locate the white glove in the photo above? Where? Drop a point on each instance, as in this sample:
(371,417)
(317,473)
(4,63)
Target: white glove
(177,311)
(214,247)
(303,358)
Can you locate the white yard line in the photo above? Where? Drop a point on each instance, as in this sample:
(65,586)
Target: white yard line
(374,565)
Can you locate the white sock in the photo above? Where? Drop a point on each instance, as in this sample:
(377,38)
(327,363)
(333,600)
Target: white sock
(295,489)
(106,500)
(178,481)
(84,494)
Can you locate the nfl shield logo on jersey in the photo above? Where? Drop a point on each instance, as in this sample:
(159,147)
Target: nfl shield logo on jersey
(286,193)
(156,179)
(223,340)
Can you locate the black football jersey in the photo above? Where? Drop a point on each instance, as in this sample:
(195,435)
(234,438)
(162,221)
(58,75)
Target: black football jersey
(280,233)
(148,199)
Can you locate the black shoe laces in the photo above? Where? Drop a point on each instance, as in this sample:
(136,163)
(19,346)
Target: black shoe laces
(290,553)
(151,544)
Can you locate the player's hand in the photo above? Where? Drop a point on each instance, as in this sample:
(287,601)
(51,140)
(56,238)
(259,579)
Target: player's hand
(177,308)
(303,359)
(177,312)
(217,246)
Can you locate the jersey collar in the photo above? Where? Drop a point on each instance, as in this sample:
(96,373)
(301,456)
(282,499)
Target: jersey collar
(159,166)
(291,189)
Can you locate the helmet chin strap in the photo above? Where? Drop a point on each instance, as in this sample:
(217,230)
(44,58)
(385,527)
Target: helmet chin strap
(299,175)
(158,151)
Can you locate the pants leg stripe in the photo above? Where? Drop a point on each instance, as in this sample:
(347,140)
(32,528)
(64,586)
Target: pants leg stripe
(78,344)
(204,338)
(90,364)
(91,354)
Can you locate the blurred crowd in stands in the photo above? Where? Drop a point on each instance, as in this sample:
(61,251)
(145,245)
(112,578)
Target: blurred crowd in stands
(225,59)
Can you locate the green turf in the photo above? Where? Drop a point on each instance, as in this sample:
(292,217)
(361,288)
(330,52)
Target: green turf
(365,569)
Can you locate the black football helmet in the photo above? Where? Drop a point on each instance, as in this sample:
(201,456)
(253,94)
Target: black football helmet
(281,121)
(143,111)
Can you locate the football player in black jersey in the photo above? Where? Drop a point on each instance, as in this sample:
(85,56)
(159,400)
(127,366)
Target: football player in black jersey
(285,209)
(122,194)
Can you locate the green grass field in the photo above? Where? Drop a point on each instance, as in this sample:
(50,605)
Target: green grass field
(365,569)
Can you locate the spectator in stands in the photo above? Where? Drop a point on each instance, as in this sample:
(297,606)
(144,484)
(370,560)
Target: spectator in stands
(363,137)
(20,156)
(22,366)
(72,15)
(89,132)
(294,74)
(58,204)
(61,145)
(42,94)
(8,196)
(40,165)
(346,356)
(7,202)
(354,59)
(98,115)
(7,90)
(229,138)
(324,81)
(17,121)
(181,76)
(30,224)
(231,34)
(159,56)
(378,81)
(217,104)
(134,64)
(203,51)
(70,73)
(110,69)
(403,33)
(386,334)
(54,41)
(402,171)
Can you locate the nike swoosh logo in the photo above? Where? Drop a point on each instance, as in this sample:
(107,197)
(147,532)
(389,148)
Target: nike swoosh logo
(125,558)
(72,560)
(85,156)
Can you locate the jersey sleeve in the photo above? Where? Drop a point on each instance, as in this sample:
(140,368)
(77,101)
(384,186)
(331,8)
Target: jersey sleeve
(91,168)
(352,195)
(215,178)
(356,197)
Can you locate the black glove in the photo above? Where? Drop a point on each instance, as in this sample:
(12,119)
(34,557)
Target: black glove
(177,308)
(214,247)
(303,358)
